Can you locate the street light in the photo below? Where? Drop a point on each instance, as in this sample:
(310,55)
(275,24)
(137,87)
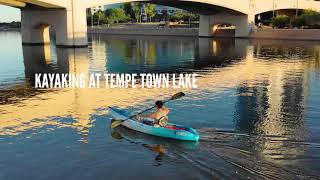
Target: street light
(297,10)
(273,9)
(91,17)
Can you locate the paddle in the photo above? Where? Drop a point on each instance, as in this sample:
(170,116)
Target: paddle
(117,123)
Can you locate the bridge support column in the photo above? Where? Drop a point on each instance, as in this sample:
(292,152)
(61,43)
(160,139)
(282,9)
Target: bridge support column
(244,24)
(70,26)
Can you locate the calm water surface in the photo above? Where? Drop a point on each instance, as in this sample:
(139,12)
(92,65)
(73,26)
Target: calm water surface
(256,109)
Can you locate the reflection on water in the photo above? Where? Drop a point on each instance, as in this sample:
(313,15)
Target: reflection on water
(162,147)
(256,109)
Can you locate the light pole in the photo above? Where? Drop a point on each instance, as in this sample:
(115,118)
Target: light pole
(297,10)
(273,9)
(98,18)
(91,17)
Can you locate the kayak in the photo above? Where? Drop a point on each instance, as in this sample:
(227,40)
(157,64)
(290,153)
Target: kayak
(173,131)
(132,136)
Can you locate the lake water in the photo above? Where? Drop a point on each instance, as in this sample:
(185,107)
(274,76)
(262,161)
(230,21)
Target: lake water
(256,109)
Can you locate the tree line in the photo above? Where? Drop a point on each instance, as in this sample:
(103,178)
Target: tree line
(138,12)
(13,24)
(309,19)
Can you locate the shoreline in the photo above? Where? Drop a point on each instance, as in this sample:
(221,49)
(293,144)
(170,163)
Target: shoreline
(265,34)
(287,34)
(269,34)
(190,32)
(10,29)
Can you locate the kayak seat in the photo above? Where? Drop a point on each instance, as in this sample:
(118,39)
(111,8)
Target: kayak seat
(175,127)
(147,122)
(171,127)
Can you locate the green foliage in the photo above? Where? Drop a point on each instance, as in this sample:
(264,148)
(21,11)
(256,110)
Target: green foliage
(311,13)
(118,15)
(280,21)
(136,7)
(127,7)
(150,10)
(311,17)
(97,18)
(185,16)
(109,16)
(12,24)
(133,10)
(179,15)
(298,22)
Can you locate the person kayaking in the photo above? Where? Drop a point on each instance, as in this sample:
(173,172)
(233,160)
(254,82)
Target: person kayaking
(160,117)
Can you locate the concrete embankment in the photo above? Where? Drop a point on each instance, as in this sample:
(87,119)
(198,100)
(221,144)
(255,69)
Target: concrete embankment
(146,31)
(287,34)
(273,34)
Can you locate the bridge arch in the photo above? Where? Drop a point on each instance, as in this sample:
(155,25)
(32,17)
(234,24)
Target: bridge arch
(222,29)
(244,24)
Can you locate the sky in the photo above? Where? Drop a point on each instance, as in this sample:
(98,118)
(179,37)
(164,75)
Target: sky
(8,14)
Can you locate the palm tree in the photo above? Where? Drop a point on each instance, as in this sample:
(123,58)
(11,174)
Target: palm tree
(150,10)
(136,7)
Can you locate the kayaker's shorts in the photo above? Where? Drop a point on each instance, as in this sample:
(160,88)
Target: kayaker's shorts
(160,123)
(147,122)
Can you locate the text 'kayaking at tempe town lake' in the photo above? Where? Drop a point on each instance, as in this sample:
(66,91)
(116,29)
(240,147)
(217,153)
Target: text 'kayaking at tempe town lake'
(116,80)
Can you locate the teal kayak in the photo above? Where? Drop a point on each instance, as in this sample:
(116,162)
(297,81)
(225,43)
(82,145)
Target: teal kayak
(173,131)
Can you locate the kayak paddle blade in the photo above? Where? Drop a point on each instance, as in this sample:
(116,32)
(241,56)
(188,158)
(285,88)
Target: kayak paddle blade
(116,123)
(177,96)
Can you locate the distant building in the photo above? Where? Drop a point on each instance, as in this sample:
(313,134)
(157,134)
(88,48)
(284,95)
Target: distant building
(161,8)
(112,6)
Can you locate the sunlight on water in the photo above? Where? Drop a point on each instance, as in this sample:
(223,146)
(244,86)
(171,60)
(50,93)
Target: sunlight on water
(256,109)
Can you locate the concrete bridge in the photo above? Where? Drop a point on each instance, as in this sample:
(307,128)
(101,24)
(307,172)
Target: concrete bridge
(68,17)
